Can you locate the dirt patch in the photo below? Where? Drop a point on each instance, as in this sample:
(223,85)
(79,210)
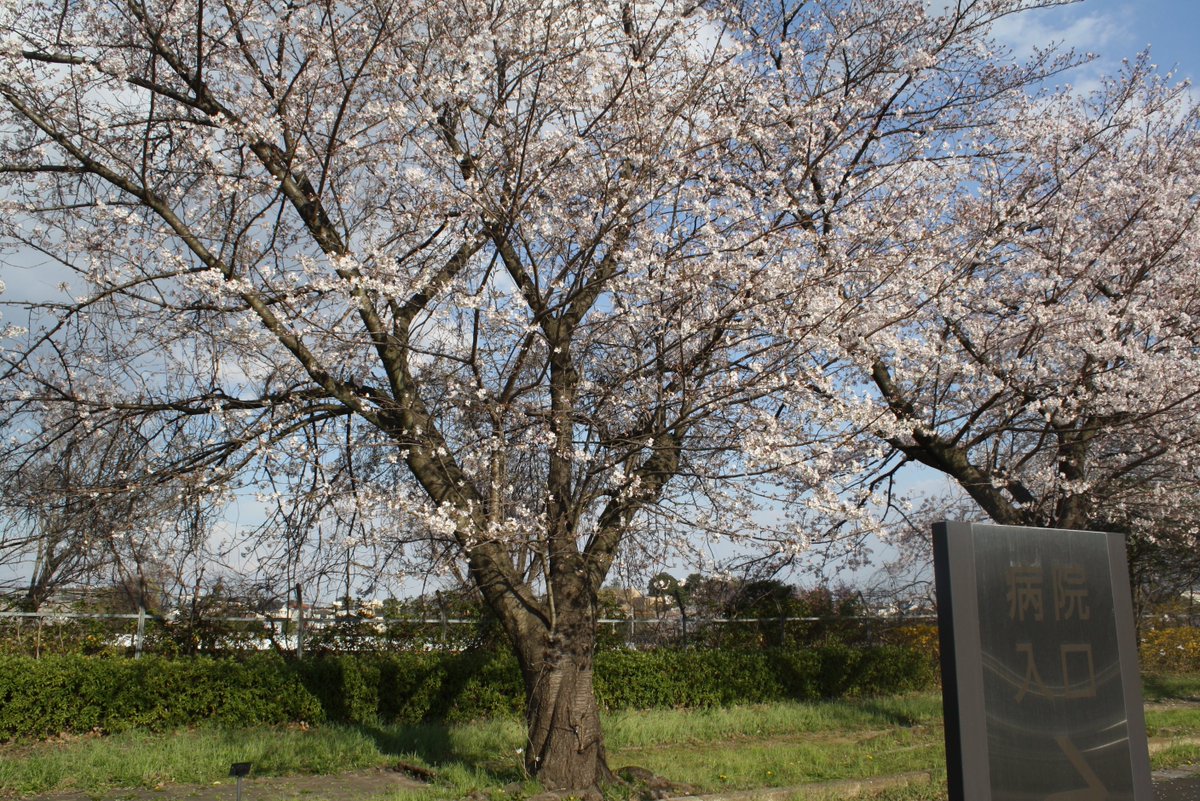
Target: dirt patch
(1174,703)
(1157,744)
(363,785)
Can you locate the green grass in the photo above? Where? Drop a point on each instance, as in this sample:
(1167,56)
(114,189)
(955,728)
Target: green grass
(467,755)
(775,745)
(662,727)
(1176,756)
(194,756)
(1181,722)
(786,762)
(1167,687)
(1171,720)
(778,745)
(755,746)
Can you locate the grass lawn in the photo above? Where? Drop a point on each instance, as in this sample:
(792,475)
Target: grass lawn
(1171,687)
(738,748)
(193,756)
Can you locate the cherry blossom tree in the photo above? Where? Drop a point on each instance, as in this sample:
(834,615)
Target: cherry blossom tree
(83,507)
(54,516)
(1043,349)
(542,284)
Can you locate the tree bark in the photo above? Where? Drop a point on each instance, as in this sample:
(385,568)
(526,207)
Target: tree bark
(564,746)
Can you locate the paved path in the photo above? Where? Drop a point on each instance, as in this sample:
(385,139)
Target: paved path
(1171,785)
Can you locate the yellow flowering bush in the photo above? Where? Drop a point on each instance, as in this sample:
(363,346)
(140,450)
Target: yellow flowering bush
(920,637)
(1171,650)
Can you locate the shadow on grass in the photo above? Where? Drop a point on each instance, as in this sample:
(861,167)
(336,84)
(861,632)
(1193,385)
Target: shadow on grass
(433,746)
(891,712)
(1168,687)
(430,742)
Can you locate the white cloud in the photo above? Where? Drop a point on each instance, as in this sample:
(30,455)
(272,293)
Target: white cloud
(1093,32)
(1100,33)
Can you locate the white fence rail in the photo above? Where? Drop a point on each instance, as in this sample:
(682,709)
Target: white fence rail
(291,632)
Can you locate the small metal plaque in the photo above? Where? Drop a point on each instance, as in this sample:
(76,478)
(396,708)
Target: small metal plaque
(239,769)
(1039,666)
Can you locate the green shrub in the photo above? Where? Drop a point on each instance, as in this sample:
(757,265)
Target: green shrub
(53,635)
(346,687)
(78,694)
(891,669)
(410,685)
(413,687)
(482,684)
(42,697)
(799,671)
(702,678)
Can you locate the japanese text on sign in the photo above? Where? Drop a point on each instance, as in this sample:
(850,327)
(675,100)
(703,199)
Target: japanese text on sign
(1069,596)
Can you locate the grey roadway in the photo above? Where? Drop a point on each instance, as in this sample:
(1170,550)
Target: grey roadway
(1171,785)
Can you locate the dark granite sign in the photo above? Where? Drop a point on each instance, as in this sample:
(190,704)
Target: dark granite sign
(1039,669)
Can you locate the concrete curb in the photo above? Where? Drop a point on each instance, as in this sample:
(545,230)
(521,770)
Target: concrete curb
(852,788)
(844,788)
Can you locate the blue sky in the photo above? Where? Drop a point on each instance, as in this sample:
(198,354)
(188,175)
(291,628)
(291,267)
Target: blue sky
(1171,26)
(1116,29)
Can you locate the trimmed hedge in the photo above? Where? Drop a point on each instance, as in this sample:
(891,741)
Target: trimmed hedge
(413,687)
(44,697)
(40,698)
(671,678)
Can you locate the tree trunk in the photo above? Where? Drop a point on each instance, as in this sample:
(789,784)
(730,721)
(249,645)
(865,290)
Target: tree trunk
(565,746)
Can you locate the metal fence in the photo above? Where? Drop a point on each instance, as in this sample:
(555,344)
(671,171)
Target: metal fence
(135,634)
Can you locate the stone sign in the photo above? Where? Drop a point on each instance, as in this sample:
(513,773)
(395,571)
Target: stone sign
(1040,680)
